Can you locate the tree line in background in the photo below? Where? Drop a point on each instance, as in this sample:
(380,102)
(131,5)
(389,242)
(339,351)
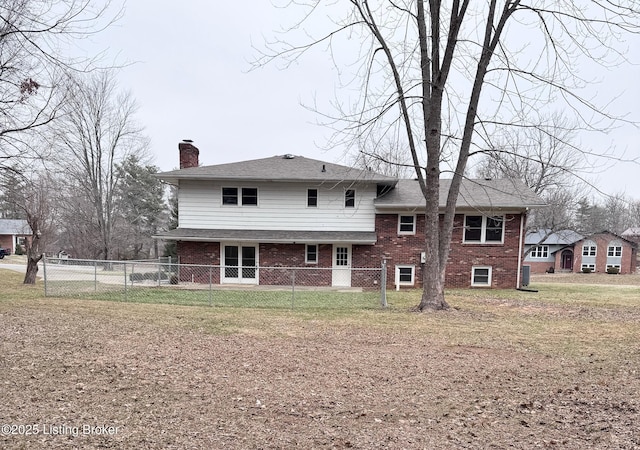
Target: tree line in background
(73,160)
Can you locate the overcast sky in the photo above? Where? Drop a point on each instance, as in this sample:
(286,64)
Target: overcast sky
(190,76)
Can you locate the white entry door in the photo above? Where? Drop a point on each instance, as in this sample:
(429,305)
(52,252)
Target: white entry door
(341,274)
(239,264)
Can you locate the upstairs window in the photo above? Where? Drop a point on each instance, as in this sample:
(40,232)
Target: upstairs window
(614,250)
(406,224)
(312,198)
(229,196)
(483,229)
(350,198)
(589,249)
(539,251)
(243,196)
(250,196)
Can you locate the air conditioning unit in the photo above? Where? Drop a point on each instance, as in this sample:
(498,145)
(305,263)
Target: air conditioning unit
(423,258)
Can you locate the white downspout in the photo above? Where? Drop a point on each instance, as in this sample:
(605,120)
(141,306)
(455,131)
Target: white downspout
(520,245)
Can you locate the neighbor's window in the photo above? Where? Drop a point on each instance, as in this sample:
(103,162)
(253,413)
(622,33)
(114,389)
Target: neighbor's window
(539,251)
(614,250)
(616,266)
(483,229)
(311,254)
(405,275)
(588,266)
(481,276)
(350,198)
(229,196)
(312,197)
(406,224)
(589,249)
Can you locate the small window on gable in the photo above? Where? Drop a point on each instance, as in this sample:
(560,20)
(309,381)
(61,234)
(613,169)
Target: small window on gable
(406,224)
(405,275)
(481,276)
(311,254)
(229,196)
(350,198)
(312,198)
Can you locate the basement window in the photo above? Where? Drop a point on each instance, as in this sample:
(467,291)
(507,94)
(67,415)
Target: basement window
(481,276)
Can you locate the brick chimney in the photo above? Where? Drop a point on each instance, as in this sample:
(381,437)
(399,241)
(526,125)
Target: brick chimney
(188,154)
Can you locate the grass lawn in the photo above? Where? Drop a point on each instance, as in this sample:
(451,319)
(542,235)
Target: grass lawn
(557,368)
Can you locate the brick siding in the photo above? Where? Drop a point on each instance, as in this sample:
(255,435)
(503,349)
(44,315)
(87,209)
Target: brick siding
(397,249)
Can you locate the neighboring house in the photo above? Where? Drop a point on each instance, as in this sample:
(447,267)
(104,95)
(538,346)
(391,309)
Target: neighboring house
(547,251)
(600,251)
(568,251)
(13,232)
(632,234)
(291,211)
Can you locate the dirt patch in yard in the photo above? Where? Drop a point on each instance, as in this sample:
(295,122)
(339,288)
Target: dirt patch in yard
(103,375)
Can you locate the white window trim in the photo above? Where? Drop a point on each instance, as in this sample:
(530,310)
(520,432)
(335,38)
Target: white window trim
(618,266)
(535,251)
(614,247)
(490,276)
(588,266)
(306,254)
(317,197)
(354,197)
(413,275)
(483,230)
(413,231)
(594,247)
(239,196)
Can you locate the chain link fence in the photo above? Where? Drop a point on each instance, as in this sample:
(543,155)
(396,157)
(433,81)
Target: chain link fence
(156,281)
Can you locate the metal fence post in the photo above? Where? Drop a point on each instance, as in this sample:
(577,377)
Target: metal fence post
(95,276)
(383,284)
(293,287)
(210,285)
(125,281)
(44,273)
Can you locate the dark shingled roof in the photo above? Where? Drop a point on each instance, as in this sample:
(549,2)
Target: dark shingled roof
(273,236)
(483,194)
(278,168)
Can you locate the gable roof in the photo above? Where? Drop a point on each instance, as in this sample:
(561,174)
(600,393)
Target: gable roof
(14,226)
(286,168)
(631,232)
(612,234)
(560,237)
(474,194)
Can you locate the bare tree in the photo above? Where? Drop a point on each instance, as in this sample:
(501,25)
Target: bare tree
(387,157)
(32,36)
(33,198)
(546,158)
(450,73)
(98,131)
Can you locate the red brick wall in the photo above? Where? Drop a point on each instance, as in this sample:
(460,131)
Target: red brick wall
(205,253)
(406,249)
(399,250)
(602,240)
